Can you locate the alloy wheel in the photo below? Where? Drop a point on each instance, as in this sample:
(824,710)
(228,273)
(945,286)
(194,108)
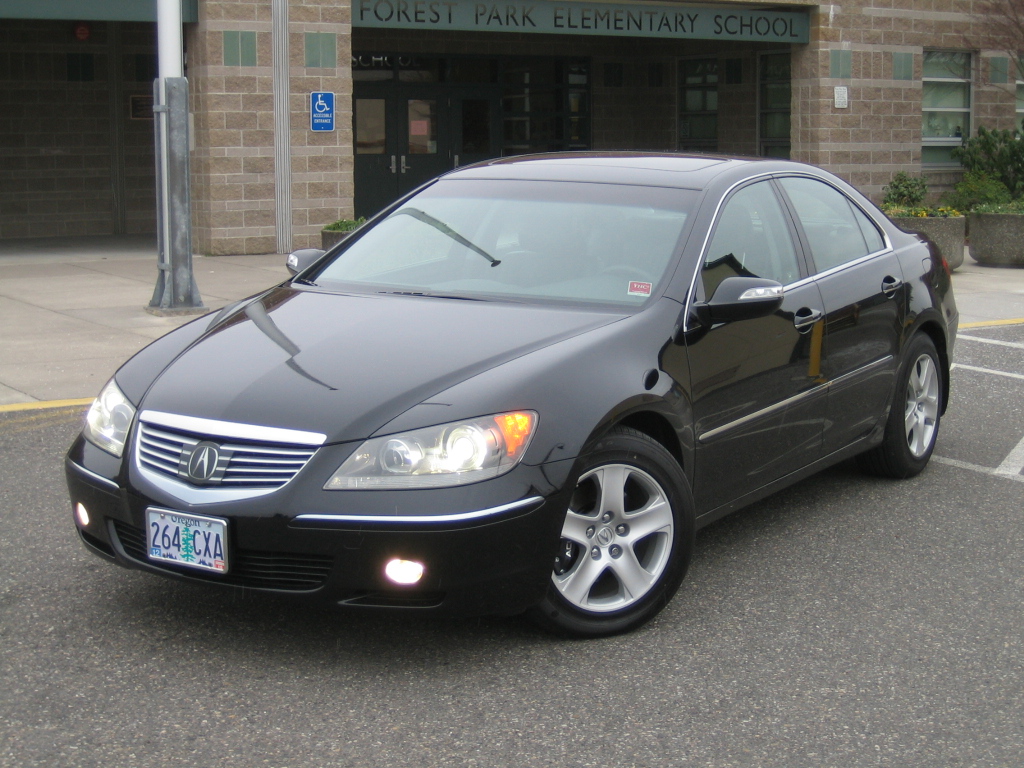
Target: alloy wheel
(920,416)
(616,539)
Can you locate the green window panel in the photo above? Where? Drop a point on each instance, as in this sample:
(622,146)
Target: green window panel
(903,66)
(239,49)
(321,49)
(998,70)
(951,65)
(841,65)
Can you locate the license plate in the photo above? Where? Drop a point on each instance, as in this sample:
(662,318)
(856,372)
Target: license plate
(195,541)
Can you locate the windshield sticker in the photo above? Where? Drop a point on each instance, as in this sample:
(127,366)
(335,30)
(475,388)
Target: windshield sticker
(637,288)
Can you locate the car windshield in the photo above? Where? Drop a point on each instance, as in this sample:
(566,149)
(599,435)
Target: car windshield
(522,240)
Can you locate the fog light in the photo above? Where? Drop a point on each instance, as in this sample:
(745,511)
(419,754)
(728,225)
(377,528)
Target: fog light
(404,571)
(82,514)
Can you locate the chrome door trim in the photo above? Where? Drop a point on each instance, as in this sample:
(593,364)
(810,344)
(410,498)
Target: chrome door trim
(713,433)
(859,371)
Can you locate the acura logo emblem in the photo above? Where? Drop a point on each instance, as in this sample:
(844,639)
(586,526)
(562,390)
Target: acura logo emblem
(203,462)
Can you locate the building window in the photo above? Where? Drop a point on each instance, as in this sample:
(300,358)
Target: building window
(145,67)
(1020,105)
(321,49)
(902,66)
(946,104)
(841,64)
(545,105)
(999,70)
(81,68)
(698,105)
(614,74)
(239,49)
(774,93)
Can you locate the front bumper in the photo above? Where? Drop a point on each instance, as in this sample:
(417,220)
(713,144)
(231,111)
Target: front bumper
(487,548)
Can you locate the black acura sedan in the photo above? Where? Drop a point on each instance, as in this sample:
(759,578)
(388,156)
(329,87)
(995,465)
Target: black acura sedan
(523,387)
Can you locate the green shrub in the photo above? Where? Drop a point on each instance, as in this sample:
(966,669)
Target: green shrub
(998,154)
(904,191)
(346,225)
(977,188)
(918,212)
(1017,206)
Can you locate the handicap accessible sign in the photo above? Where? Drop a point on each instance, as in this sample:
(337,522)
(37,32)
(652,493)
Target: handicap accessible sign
(321,111)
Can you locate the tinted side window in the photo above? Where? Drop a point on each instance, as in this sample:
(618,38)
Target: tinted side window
(751,240)
(837,230)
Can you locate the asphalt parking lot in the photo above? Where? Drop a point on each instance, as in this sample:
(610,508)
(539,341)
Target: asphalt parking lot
(847,621)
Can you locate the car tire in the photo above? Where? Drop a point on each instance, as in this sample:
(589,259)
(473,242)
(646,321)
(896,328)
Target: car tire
(913,423)
(626,540)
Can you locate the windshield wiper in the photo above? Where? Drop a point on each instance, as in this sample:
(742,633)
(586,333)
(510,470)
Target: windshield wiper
(444,229)
(427,295)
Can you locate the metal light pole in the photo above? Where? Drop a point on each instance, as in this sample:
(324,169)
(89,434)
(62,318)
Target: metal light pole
(176,291)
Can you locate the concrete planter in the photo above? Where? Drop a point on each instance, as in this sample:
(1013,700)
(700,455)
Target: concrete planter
(948,234)
(331,237)
(997,238)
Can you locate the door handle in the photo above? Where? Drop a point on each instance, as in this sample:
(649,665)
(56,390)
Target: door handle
(394,167)
(890,285)
(805,318)
(404,166)
(456,162)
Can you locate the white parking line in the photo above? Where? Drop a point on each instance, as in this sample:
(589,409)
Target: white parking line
(987,370)
(1014,463)
(997,342)
(978,468)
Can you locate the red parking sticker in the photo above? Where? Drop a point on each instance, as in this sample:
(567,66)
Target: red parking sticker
(636,288)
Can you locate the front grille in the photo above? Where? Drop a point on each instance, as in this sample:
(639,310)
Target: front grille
(286,571)
(238,465)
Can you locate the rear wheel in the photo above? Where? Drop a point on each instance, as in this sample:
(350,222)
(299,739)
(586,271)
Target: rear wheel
(626,539)
(913,422)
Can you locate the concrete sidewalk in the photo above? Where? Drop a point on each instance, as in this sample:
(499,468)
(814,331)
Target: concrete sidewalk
(72,311)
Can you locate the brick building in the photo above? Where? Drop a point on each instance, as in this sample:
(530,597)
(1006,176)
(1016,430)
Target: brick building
(865,89)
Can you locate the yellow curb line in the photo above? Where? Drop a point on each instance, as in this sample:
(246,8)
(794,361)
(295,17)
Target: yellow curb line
(993,323)
(44,404)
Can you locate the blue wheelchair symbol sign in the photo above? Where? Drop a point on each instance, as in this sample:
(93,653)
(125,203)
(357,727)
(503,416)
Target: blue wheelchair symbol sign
(321,111)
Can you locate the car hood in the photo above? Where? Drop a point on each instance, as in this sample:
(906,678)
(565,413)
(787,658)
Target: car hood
(343,365)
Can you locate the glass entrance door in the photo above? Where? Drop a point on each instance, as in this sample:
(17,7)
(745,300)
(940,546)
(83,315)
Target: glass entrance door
(407,135)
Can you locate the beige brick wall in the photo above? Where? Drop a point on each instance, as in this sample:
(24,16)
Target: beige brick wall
(233,164)
(880,132)
(322,162)
(233,108)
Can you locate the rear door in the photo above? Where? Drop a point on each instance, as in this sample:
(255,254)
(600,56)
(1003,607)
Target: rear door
(865,298)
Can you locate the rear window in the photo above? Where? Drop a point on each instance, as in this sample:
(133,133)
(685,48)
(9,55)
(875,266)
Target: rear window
(560,241)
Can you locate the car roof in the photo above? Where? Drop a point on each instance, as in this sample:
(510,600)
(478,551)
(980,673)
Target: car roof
(686,171)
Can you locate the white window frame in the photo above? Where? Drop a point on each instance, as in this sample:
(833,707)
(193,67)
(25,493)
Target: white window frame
(968,130)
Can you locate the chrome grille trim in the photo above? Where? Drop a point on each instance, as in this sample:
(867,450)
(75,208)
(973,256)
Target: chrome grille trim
(232,429)
(243,471)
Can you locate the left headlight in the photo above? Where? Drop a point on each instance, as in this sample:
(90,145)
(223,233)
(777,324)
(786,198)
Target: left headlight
(109,419)
(436,457)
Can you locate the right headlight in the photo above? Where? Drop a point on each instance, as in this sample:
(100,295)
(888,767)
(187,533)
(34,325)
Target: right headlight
(109,419)
(437,457)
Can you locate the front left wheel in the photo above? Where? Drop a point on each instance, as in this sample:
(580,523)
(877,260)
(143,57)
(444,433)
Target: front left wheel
(626,539)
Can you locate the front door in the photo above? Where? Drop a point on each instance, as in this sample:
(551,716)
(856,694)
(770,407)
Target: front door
(407,135)
(759,398)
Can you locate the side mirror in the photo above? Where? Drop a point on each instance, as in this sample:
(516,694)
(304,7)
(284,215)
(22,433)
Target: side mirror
(744,298)
(302,258)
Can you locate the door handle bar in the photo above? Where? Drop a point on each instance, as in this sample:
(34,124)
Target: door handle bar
(806,317)
(890,285)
